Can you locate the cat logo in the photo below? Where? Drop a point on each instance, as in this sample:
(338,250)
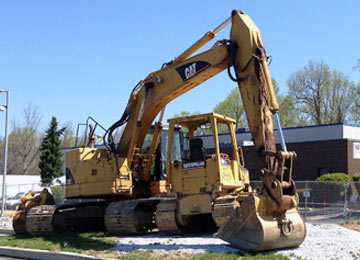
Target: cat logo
(189,70)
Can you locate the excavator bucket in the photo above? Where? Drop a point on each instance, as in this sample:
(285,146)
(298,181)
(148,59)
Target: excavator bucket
(253,228)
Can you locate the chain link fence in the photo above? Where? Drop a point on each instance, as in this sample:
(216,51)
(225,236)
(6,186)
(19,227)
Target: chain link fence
(320,202)
(327,201)
(15,191)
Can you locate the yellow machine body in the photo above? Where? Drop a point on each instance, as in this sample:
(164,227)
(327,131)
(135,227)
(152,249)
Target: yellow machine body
(94,172)
(120,174)
(196,182)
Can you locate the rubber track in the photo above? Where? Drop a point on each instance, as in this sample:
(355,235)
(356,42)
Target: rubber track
(166,216)
(39,220)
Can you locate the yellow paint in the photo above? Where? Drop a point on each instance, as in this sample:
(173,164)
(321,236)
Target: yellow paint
(96,173)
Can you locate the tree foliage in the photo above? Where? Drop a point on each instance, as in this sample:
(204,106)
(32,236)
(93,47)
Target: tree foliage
(198,131)
(334,177)
(287,111)
(357,66)
(186,113)
(233,107)
(68,137)
(356,177)
(322,95)
(50,159)
(23,143)
(356,108)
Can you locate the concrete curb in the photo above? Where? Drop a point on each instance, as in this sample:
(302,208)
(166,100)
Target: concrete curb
(5,231)
(42,254)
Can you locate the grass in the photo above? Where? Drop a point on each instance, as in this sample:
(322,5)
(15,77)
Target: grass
(146,255)
(69,242)
(243,256)
(98,245)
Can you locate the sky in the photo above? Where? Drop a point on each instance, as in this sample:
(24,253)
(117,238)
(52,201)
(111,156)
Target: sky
(77,58)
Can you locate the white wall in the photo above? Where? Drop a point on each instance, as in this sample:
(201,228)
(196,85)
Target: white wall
(22,183)
(351,132)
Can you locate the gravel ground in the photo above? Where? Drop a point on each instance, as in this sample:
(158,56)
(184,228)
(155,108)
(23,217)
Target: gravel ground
(6,222)
(327,241)
(323,241)
(184,244)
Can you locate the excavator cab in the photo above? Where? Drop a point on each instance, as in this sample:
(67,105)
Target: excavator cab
(154,151)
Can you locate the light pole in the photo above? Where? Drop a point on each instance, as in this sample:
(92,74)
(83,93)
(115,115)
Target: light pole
(2,108)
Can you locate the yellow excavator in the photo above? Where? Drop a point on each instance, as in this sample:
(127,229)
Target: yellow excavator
(122,187)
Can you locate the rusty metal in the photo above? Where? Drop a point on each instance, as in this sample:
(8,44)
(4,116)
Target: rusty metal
(254,228)
(39,220)
(166,216)
(131,217)
(19,221)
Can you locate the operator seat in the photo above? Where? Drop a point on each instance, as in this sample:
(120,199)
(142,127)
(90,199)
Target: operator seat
(197,151)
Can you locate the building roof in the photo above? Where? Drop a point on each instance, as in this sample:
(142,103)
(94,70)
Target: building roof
(295,134)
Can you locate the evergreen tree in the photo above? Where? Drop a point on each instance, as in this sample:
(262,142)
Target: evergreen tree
(50,159)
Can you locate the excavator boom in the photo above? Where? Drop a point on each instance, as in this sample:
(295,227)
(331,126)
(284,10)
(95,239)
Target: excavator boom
(115,181)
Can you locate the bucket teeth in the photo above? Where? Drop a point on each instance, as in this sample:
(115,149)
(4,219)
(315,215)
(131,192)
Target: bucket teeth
(253,228)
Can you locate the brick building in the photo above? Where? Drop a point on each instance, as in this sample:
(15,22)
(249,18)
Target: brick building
(320,149)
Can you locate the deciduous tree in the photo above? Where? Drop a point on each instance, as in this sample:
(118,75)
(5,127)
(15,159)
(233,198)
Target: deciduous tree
(186,113)
(323,95)
(24,143)
(233,107)
(68,138)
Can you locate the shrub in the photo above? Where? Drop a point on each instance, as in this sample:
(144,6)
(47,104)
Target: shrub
(356,176)
(58,193)
(334,191)
(334,177)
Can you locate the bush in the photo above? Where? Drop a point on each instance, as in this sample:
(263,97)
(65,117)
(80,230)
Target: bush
(334,177)
(58,193)
(356,176)
(335,190)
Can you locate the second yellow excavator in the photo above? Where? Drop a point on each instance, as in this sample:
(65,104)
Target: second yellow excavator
(120,186)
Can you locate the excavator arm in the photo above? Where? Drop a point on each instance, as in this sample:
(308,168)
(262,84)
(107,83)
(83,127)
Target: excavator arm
(249,60)
(269,218)
(244,51)
(246,54)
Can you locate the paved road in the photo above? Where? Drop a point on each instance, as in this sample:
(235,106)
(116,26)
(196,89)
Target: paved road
(11,258)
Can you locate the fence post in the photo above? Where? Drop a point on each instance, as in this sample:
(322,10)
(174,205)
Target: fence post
(63,192)
(345,201)
(306,199)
